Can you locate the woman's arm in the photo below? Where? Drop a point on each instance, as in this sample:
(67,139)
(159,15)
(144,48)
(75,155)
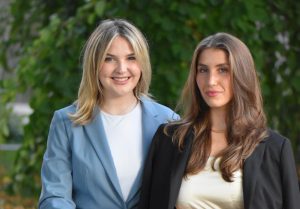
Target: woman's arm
(56,174)
(291,193)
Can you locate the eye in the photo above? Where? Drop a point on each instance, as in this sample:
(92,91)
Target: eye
(201,69)
(223,70)
(108,59)
(131,58)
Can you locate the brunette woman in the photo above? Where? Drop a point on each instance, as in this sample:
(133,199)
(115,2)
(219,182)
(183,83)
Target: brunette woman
(220,155)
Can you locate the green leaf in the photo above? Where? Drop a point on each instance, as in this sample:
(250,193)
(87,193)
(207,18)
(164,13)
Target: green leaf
(296,82)
(99,8)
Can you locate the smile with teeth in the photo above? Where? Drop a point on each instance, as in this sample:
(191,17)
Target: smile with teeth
(120,78)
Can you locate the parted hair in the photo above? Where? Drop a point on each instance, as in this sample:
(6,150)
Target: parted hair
(90,92)
(246,121)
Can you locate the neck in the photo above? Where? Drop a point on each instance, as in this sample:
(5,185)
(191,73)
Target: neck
(218,120)
(119,105)
(218,131)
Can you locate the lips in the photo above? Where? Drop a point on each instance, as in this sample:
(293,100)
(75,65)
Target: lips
(120,80)
(212,93)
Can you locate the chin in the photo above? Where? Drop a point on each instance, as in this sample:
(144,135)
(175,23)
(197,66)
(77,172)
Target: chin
(218,106)
(124,93)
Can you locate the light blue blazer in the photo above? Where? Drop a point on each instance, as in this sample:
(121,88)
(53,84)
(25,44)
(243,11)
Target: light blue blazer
(78,169)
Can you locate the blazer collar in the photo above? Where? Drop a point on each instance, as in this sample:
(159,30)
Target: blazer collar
(149,126)
(150,123)
(250,171)
(178,168)
(96,135)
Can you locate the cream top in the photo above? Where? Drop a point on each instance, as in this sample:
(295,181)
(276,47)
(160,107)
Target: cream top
(208,190)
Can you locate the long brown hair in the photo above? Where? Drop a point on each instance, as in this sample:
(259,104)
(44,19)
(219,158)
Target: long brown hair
(246,121)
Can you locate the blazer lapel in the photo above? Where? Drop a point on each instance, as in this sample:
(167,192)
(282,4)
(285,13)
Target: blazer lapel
(96,134)
(149,126)
(250,171)
(178,168)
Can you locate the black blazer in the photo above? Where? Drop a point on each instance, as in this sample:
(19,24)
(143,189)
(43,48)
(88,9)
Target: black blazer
(269,174)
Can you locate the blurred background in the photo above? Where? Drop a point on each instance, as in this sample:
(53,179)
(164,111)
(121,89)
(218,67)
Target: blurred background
(40,66)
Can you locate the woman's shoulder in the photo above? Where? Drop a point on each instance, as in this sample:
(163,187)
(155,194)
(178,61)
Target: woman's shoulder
(63,114)
(158,108)
(151,102)
(165,133)
(162,140)
(275,138)
(272,147)
(167,129)
(275,141)
(70,109)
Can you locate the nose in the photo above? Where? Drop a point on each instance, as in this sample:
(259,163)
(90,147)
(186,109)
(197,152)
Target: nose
(212,79)
(122,67)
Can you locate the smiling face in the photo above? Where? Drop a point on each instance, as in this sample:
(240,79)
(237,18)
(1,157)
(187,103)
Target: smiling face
(120,71)
(213,78)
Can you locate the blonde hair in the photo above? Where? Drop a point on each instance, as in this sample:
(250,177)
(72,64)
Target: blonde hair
(246,121)
(90,92)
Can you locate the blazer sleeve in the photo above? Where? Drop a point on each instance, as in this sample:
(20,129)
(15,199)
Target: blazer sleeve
(147,173)
(291,193)
(56,173)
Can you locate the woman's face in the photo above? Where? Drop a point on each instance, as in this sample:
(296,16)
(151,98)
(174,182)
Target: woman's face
(120,71)
(214,79)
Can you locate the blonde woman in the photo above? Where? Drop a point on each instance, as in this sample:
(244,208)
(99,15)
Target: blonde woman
(97,146)
(220,155)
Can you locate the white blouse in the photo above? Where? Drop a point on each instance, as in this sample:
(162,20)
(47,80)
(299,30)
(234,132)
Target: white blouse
(208,190)
(124,136)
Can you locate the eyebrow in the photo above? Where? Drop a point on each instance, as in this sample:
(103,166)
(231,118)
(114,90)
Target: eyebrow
(111,55)
(218,65)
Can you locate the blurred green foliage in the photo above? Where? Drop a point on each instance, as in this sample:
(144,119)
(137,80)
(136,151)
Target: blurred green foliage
(50,36)
(4,126)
